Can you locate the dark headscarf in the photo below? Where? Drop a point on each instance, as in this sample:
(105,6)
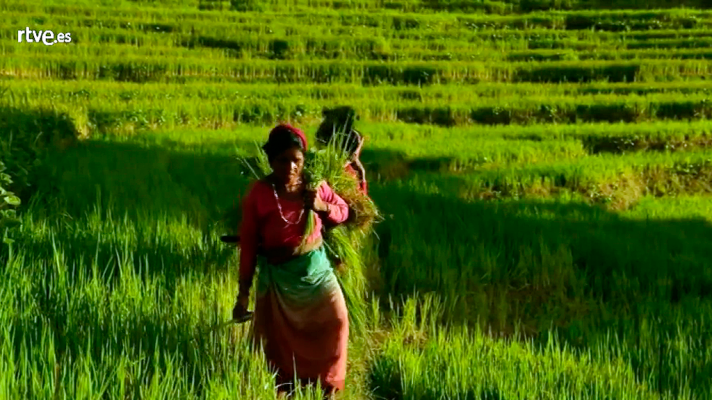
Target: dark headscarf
(283,137)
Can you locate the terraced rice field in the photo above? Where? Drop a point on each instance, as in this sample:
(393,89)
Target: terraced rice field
(546,174)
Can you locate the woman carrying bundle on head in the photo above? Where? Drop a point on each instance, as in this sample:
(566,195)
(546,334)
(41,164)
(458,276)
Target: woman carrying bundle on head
(337,130)
(354,166)
(300,313)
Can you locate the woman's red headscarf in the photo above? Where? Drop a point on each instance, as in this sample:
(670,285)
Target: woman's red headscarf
(286,127)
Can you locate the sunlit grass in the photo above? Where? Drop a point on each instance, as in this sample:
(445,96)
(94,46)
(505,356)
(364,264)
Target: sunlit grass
(545,179)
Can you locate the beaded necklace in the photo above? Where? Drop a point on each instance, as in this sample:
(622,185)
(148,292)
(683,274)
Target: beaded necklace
(281,214)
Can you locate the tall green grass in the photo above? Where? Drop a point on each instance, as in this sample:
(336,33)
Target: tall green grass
(422,361)
(29,93)
(127,107)
(581,19)
(125,269)
(545,177)
(152,69)
(262,42)
(112,292)
(114,307)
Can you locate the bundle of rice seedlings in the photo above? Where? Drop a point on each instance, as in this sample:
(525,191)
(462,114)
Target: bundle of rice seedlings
(345,243)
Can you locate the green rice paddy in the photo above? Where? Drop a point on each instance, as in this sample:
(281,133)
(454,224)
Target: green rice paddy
(544,167)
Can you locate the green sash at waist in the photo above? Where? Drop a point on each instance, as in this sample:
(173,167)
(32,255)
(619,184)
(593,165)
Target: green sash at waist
(300,281)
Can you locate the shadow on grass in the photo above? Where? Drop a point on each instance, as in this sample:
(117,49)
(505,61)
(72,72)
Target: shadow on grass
(138,179)
(544,263)
(114,205)
(439,242)
(568,268)
(389,389)
(514,241)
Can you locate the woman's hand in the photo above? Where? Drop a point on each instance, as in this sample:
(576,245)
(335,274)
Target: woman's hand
(313,200)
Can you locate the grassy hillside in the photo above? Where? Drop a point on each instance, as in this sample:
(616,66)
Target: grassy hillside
(545,169)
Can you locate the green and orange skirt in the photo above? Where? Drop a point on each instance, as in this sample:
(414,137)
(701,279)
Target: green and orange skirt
(302,322)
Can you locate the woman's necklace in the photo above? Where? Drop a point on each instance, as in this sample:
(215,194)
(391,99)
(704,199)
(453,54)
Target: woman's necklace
(279,206)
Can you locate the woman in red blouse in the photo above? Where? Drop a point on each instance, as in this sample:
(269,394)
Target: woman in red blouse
(300,313)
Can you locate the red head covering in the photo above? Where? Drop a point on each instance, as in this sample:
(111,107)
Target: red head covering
(286,127)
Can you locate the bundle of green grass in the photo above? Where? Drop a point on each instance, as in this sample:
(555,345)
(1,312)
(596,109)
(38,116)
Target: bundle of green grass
(346,243)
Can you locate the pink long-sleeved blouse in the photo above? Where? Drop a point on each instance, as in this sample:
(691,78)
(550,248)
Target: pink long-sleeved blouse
(262,223)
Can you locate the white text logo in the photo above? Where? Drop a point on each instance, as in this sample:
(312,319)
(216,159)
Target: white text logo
(47,37)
